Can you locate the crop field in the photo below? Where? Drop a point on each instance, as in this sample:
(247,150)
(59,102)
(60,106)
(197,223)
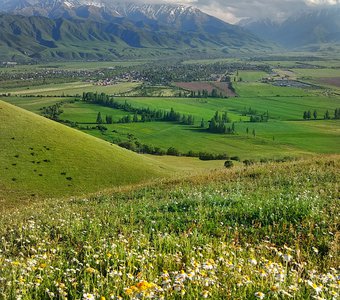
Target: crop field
(74,88)
(196,86)
(331,81)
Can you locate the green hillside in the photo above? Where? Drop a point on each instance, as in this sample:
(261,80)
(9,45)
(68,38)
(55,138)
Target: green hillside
(38,38)
(41,158)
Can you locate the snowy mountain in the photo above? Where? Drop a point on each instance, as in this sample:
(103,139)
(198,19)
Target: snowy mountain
(49,27)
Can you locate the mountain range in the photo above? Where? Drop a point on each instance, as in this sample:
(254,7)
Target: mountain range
(310,29)
(106,29)
(79,29)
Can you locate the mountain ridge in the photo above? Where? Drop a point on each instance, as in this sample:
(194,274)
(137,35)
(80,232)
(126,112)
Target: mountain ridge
(302,30)
(127,31)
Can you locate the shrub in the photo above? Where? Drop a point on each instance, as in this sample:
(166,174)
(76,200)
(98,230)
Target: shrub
(172,151)
(248,162)
(228,164)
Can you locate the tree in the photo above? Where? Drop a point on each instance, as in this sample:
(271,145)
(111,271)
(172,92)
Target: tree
(254,133)
(247,130)
(108,119)
(305,116)
(135,118)
(337,113)
(315,114)
(214,93)
(327,116)
(309,115)
(99,118)
(202,123)
(233,128)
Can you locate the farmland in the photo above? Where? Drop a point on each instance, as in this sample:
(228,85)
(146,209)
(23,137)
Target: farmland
(221,88)
(285,134)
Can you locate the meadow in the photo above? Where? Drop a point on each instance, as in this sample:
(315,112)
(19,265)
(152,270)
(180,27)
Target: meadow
(262,232)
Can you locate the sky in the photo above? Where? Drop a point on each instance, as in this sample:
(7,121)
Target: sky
(233,11)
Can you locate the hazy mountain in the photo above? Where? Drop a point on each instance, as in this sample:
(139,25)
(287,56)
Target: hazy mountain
(89,29)
(310,28)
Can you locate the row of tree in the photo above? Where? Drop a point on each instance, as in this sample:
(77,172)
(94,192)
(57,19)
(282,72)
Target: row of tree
(205,94)
(136,146)
(147,114)
(308,115)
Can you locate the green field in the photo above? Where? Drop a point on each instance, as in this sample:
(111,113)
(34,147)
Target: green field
(286,133)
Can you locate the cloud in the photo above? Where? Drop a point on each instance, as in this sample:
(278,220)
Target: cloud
(235,10)
(322,2)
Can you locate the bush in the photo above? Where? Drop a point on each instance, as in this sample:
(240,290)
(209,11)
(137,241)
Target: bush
(211,156)
(248,162)
(228,164)
(172,151)
(235,158)
(128,145)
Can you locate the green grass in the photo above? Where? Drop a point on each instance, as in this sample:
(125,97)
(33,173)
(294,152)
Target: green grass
(251,75)
(41,158)
(267,230)
(317,73)
(34,104)
(87,113)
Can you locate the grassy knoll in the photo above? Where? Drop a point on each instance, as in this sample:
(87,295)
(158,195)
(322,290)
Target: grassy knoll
(263,232)
(41,158)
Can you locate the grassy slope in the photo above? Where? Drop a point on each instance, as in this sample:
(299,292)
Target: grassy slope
(35,151)
(271,229)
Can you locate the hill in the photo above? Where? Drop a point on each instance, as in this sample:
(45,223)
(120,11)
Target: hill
(41,158)
(262,232)
(309,29)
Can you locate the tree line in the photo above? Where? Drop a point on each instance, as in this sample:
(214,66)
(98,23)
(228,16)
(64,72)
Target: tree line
(308,115)
(147,114)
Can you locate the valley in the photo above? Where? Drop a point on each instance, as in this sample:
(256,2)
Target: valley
(157,151)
